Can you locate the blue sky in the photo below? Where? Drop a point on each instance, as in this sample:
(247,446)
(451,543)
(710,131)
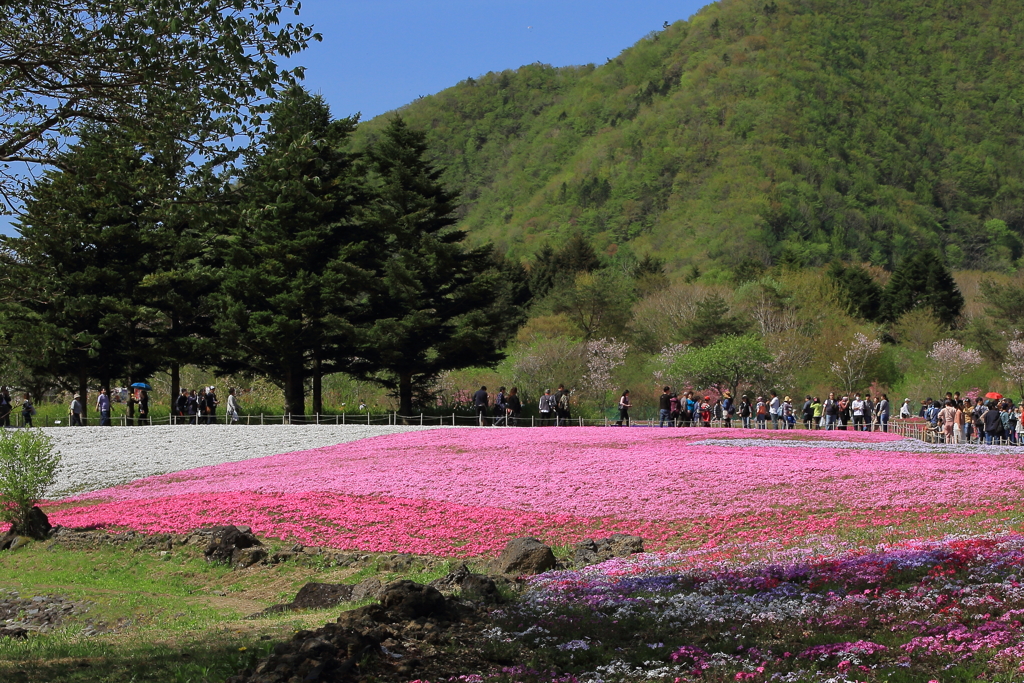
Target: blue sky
(377,55)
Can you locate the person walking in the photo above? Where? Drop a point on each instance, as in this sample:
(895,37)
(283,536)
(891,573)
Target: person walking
(77,411)
(192,407)
(857,409)
(233,406)
(993,424)
(882,409)
(807,412)
(665,407)
(180,410)
(103,407)
(562,407)
(673,409)
(480,401)
(774,409)
(6,406)
(514,407)
(130,409)
(728,409)
(761,413)
(27,410)
(818,413)
(745,412)
(546,408)
(624,404)
(500,408)
(211,405)
(143,407)
(947,420)
(831,410)
(202,409)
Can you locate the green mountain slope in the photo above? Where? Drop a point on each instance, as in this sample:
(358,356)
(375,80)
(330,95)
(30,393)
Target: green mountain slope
(797,131)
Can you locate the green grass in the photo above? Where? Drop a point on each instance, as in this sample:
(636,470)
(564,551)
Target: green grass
(181,618)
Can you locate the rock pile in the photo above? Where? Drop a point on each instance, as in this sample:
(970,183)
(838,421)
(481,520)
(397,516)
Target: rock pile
(408,630)
(593,551)
(42,613)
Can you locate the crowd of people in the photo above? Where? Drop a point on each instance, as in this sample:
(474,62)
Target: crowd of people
(507,408)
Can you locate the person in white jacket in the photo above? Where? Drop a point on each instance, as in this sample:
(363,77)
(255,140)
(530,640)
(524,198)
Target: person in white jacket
(905,412)
(232,406)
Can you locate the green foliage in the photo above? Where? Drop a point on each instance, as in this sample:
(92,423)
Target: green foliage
(811,132)
(922,281)
(434,300)
(711,321)
(598,303)
(1004,303)
(195,67)
(28,467)
(861,295)
(293,260)
(729,363)
(555,268)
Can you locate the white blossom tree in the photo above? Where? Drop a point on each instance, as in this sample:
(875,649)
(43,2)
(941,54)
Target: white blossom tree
(850,371)
(663,363)
(603,356)
(1013,368)
(951,361)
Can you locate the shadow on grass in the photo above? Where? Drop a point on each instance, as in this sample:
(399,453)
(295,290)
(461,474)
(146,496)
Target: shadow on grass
(62,658)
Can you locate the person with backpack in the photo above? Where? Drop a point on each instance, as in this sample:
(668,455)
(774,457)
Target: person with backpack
(761,413)
(706,412)
(561,407)
(192,407)
(27,410)
(624,404)
(546,407)
(480,401)
(728,409)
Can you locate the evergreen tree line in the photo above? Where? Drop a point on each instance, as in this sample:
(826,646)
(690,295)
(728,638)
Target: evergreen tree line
(312,259)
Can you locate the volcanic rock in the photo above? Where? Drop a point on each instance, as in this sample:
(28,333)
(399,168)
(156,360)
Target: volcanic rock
(524,556)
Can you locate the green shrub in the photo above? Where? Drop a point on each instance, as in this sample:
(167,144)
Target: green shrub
(28,466)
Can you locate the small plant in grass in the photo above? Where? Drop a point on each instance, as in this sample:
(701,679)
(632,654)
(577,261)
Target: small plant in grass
(28,466)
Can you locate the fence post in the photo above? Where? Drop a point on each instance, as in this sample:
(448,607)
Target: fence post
(367,417)
(533,422)
(453,419)
(421,419)
(343,418)
(261,419)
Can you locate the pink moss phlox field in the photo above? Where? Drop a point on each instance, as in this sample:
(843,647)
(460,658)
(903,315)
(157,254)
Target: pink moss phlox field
(467,491)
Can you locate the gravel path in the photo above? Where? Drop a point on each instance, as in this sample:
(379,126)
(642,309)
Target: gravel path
(98,457)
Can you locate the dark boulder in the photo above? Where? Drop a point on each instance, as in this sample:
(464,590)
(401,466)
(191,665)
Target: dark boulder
(524,556)
(322,595)
(38,527)
(225,540)
(411,600)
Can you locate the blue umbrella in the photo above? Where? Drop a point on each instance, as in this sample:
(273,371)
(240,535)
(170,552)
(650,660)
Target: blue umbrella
(142,385)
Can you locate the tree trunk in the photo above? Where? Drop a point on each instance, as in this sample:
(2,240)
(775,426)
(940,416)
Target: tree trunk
(295,395)
(318,388)
(83,391)
(175,388)
(405,393)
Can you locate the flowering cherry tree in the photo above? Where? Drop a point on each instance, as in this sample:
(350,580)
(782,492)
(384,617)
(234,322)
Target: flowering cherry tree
(952,361)
(603,356)
(663,364)
(1013,368)
(851,369)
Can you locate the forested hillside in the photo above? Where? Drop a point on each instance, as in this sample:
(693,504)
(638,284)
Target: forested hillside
(793,132)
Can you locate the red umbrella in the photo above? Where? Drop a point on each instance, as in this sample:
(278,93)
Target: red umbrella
(993,395)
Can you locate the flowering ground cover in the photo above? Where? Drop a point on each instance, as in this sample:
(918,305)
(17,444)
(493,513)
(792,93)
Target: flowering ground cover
(465,492)
(950,610)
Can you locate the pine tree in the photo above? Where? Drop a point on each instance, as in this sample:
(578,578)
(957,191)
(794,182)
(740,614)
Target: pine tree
(434,296)
(861,294)
(922,281)
(291,283)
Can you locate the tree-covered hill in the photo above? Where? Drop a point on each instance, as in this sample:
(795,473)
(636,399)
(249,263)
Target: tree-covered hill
(797,131)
